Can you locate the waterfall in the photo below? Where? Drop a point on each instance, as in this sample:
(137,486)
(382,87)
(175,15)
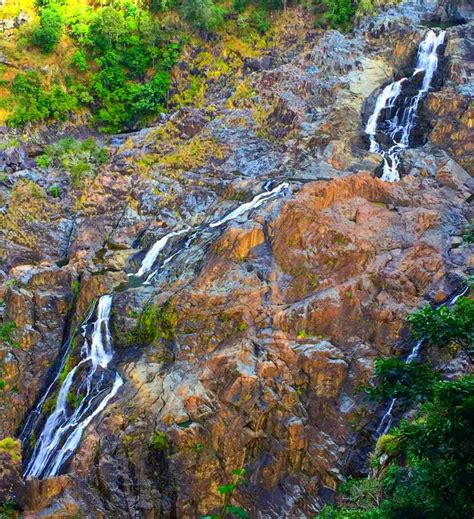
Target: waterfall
(88,382)
(387,418)
(154,252)
(86,390)
(395,113)
(257,201)
(152,255)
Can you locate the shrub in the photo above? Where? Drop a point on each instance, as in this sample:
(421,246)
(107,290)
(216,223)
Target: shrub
(336,14)
(203,14)
(79,61)
(159,442)
(50,29)
(79,158)
(54,191)
(34,104)
(12,446)
(444,326)
(7,331)
(408,382)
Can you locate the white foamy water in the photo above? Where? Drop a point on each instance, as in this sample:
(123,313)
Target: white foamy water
(257,201)
(63,429)
(400,125)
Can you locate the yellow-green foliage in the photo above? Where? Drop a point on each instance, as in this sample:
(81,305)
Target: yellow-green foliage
(386,444)
(28,203)
(159,442)
(242,96)
(193,154)
(193,94)
(369,7)
(12,446)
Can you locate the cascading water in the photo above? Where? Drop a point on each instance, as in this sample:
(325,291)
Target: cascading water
(395,114)
(89,383)
(387,418)
(159,246)
(85,391)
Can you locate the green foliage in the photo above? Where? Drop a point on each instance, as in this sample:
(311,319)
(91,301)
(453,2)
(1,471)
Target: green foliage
(430,472)
(68,366)
(74,399)
(54,191)
(444,326)
(407,382)
(79,158)
(44,161)
(159,442)
(203,14)
(468,234)
(155,322)
(79,61)
(2,384)
(336,14)
(7,331)
(437,478)
(12,446)
(50,29)
(34,104)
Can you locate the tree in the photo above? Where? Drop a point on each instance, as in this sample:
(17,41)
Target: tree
(407,382)
(444,326)
(49,32)
(202,14)
(429,473)
(336,14)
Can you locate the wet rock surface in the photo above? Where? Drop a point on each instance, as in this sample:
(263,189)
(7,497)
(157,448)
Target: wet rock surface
(277,317)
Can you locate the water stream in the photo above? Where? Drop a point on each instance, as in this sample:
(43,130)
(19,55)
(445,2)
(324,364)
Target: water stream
(387,419)
(84,390)
(391,125)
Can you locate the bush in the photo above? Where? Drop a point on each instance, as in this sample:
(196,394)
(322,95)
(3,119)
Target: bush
(407,382)
(7,331)
(444,326)
(79,158)
(79,61)
(49,32)
(336,14)
(34,104)
(159,442)
(203,14)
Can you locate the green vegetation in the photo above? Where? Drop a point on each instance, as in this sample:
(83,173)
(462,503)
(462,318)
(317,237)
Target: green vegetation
(159,442)
(116,58)
(424,467)
(48,34)
(408,382)
(155,322)
(12,446)
(79,158)
(443,327)
(7,333)
(468,234)
(226,491)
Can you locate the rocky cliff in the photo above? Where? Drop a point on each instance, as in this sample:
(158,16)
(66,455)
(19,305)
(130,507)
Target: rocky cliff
(269,324)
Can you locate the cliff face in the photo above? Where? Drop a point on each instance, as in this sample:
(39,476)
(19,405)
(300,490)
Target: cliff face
(275,319)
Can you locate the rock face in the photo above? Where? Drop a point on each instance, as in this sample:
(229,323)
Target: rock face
(273,320)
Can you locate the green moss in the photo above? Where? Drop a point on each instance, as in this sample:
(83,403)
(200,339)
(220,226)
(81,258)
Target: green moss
(159,442)
(50,404)
(12,446)
(7,332)
(155,322)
